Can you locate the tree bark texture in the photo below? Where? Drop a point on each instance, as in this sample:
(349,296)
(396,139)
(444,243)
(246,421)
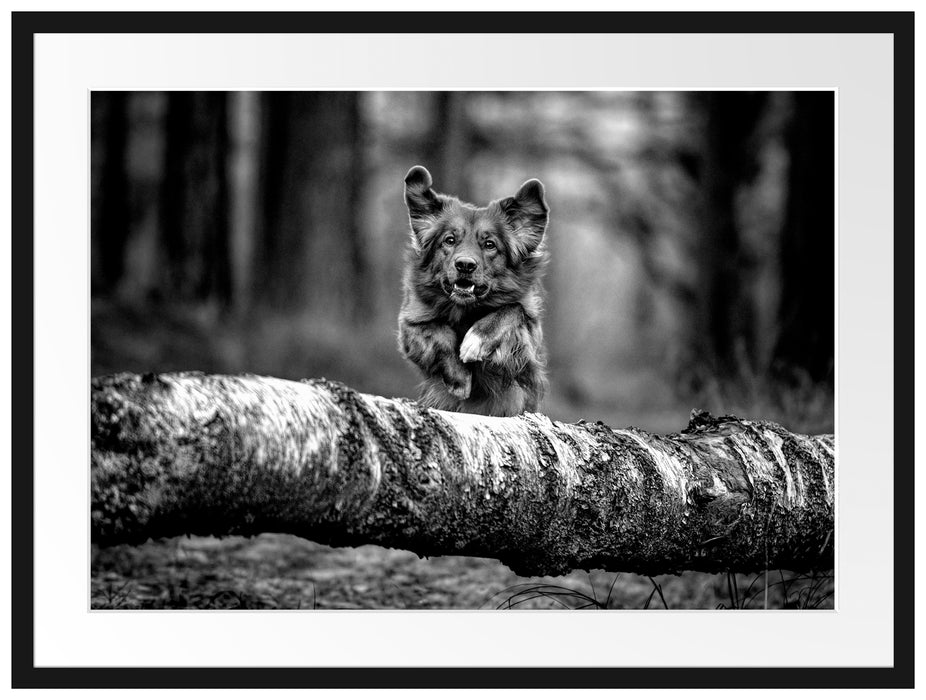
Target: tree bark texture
(223,455)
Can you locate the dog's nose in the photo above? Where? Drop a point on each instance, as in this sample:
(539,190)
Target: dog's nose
(465,265)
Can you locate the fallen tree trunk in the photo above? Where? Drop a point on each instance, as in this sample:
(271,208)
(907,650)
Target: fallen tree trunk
(223,455)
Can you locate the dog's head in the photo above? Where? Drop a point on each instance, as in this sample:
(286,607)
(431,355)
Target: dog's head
(475,254)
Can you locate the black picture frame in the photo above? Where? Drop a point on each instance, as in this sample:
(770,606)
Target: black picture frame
(25,25)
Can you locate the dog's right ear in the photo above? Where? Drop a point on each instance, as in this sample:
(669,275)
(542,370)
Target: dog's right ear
(527,213)
(423,203)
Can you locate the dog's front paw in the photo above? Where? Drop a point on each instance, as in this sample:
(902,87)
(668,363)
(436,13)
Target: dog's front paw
(473,348)
(460,386)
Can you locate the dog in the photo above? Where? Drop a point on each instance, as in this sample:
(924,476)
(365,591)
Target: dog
(470,316)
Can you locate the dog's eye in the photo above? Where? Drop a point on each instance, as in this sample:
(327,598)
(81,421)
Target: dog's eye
(450,240)
(489,245)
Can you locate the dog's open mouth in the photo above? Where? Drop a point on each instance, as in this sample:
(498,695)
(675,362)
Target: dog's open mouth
(467,290)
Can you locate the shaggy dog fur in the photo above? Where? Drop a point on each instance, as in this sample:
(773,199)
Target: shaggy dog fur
(470,318)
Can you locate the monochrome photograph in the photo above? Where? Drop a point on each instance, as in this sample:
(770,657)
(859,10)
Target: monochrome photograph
(469,350)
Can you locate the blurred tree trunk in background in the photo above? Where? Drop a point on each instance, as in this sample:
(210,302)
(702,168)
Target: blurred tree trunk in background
(312,254)
(724,335)
(194,196)
(244,128)
(806,315)
(110,211)
(450,145)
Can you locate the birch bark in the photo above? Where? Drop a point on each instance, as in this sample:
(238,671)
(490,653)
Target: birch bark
(223,455)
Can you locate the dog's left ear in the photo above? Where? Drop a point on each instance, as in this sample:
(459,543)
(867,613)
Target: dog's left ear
(422,202)
(528,213)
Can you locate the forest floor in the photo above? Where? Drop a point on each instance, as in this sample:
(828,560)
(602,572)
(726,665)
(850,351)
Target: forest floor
(274,571)
(284,572)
